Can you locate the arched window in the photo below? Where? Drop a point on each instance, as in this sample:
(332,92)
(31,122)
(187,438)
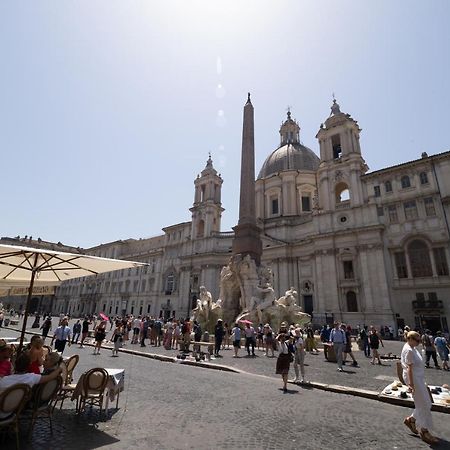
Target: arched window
(352,303)
(419,259)
(388,186)
(201,229)
(423,178)
(406,182)
(342,193)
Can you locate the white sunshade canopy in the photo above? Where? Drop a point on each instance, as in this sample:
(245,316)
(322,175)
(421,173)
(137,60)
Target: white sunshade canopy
(51,267)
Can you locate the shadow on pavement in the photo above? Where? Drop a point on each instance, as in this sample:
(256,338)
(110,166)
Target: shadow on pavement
(69,432)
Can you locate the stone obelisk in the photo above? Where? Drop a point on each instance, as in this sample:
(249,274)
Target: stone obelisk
(247,239)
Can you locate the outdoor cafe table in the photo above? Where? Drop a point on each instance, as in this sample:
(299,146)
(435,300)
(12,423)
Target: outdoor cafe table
(115,385)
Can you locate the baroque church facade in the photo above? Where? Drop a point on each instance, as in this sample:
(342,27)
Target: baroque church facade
(361,247)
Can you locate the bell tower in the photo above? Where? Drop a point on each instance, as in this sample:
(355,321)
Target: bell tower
(341,162)
(207,209)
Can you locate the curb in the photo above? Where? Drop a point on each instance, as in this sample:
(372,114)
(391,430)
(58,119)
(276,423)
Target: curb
(356,392)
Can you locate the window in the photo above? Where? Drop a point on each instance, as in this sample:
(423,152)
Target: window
(143,283)
(135,285)
(377,191)
(388,186)
(420,296)
(274,206)
(432,296)
(306,203)
(405,181)
(410,210)
(348,270)
(440,259)
(380,211)
(419,259)
(429,206)
(342,193)
(170,284)
(201,229)
(423,178)
(393,216)
(352,304)
(336,143)
(400,263)
(127,286)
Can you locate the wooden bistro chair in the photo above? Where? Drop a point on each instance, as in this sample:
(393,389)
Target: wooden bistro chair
(12,401)
(67,387)
(94,385)
(42,400)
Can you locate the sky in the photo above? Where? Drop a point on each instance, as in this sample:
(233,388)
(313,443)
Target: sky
(108,109)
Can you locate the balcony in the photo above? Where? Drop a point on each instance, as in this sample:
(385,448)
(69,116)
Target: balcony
(427,305)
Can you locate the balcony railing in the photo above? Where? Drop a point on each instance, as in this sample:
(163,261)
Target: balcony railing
(427,304)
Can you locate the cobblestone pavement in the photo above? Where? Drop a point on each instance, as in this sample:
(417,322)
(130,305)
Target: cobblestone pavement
(171,406)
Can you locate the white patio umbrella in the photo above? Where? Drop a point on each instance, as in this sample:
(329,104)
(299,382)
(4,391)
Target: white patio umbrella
(28,266)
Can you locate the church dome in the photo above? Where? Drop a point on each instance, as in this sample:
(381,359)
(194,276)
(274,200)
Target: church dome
(290,155)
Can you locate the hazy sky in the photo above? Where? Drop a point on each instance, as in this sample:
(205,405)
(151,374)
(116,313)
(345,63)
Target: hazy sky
(108,109)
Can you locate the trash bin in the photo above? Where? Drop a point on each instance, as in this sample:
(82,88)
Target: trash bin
(6,322)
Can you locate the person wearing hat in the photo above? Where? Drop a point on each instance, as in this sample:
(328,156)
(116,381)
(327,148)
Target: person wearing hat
(219,332)
(5,359)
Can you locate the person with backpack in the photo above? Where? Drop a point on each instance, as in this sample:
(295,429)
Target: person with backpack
(374,342)
(430,349)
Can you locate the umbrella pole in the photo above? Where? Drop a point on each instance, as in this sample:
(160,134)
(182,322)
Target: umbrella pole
(27,306)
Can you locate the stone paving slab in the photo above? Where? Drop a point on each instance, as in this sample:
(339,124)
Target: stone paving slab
(171,406)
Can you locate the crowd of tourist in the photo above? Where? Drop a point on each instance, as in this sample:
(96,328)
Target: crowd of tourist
(290,341)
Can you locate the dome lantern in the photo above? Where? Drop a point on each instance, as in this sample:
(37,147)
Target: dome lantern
(289,131)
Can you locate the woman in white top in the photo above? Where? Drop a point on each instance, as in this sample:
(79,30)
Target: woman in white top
(414,375)
(299,356)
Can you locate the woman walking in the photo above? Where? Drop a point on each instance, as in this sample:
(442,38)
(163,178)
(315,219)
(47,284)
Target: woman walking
(100,335)
(236,334)
(299,356)
(414,375)
(117,339)
(268,339)
(284,358)
(348,346)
